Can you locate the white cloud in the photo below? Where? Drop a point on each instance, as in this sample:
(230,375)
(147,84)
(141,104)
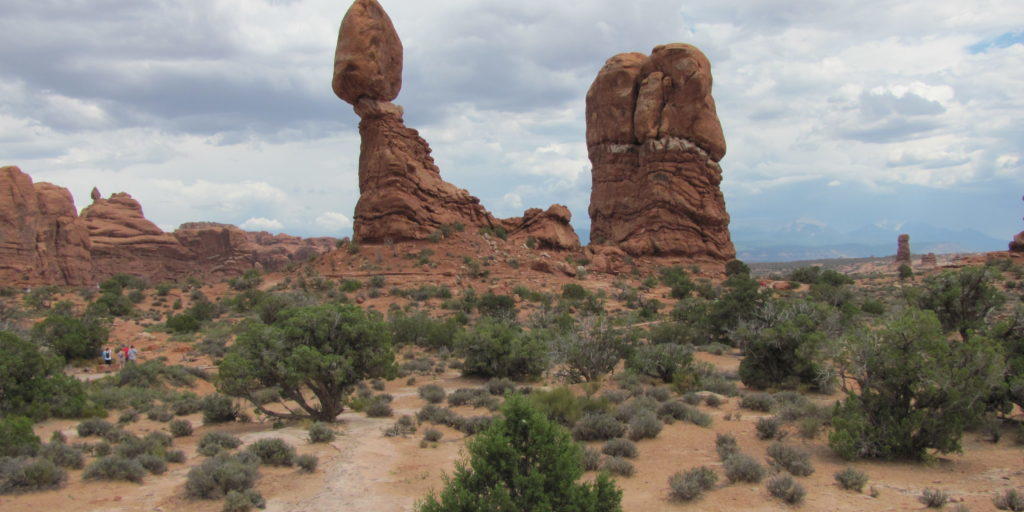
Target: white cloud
(334,222)
(262,224)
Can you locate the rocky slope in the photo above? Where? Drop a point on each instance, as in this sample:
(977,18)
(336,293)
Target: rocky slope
(402,194)
(655,140)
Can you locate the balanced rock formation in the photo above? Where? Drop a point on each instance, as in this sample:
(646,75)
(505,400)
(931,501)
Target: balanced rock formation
(549,229)
(903,249)
(402,195)
(42,238)
(655,141)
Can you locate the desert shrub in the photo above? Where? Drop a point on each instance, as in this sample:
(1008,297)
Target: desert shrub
(128,416)
(185,404)
(736,267)
(465,396)
(690,485)
(872,307)
(431,413)
(660,393)
(406,425)
(33,383)
(740,301)
(273,452)
(662,361)
(615,396)
(495,349)
(155,443)
(618,466)
(249,280)
(644,425)
(213,443)
(180,428)
(523,461)
(115,467)
(625,412)
(472,425)
(175,456)
(1011,499)
(961,299)
(786,489)
(17,437)
(620,448)
(598,427)
(154,464)
(63,455)
(307,462)
(590,350)
(762,402)
(219,475)
(332,347)
(218,408)
(933,498)
(786,350)
(562,405)
(915,389)
(790,458)
(497,306)
(851,479)
(499,387)
(420,330)
(432,393)
(713,400)
(740,467)
(71,337)
(18,475)
(591,459)
(378,408)
(94,427)
(768,428)
(432,435)
(725,445)
(161,414)
(321,433)
(678,281)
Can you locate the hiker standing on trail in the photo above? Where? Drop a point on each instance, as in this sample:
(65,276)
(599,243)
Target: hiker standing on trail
(108,358)
(121,356)
(132,354)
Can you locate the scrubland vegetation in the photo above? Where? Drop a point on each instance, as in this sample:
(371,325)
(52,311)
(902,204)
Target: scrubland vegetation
(566,382)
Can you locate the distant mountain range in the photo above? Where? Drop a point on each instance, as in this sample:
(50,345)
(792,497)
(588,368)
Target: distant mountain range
(812,240)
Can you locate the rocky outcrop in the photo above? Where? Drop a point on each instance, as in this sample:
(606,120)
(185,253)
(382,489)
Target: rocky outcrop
(903,249)
(655,141)
(542,229)
(42,238)
(226,249)
(402,195)
(929,260)
(1017,244)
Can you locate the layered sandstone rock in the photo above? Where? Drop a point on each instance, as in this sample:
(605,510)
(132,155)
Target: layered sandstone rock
(548,229)
(225,249)
(655,141)
(903,249)
(1017,244)
(929,260)
(402,195)
(42,238)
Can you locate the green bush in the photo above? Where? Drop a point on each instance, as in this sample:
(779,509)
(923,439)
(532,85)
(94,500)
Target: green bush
(933,498)
(598,427)
(768,428)
(33,384)
(94,427)
(790,458)
(620,448)
(690,485)
(591,459)
(321,433)
(180,428)
(115,467)
(786,489)
(273,452)
(378,408)
(496,349)
(725,445)
(432,393)
(787,351)
(17,438)
(213,443)
(63,455)
(332,347)
(644,425)
(70,337)
(523,462)
(18,475)
(1011,499)
(420,330)
(740,467)
(219,475)
(915,389)
(851,479)
(307,462)
(249,280)
(218,408)
(502,307)
(618,466)
(762,402)
(432,435)
(152,463)
(662,361)
(962,299)
(678,282)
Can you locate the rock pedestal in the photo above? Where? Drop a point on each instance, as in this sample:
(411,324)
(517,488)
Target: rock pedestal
(903,249)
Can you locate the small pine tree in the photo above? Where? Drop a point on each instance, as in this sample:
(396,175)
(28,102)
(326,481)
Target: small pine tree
(523,462)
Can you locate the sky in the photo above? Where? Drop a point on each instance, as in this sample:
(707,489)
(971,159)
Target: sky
(222,110)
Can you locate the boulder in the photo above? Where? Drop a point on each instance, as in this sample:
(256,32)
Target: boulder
(654,141)
(368,58)
(549,229)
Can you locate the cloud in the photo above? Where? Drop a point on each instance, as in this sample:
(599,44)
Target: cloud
(334,222)
(262,224)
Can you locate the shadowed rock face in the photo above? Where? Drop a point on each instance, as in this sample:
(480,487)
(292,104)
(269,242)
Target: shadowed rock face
(655,141)
(42,238)
(903,249)
(402,195)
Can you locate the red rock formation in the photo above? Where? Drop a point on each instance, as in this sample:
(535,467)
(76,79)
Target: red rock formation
(549,229)
(655,141)
(1017,244)
(42,239)
(929,260)
(903,249)
(402,195)
(227,250)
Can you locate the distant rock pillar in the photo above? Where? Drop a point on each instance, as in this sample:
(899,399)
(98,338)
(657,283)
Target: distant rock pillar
(903,249)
